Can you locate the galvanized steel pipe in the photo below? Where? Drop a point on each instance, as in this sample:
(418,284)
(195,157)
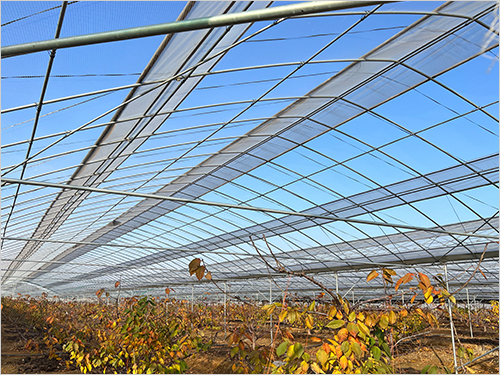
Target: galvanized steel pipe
(185,25)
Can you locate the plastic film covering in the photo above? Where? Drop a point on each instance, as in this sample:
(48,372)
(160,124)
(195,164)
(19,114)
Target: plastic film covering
(387,128)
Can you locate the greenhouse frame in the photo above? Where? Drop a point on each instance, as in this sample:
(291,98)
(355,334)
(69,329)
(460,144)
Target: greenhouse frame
(335,138)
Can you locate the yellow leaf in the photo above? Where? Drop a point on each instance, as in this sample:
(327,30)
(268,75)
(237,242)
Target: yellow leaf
(309,321)
(392,317)
(372,275)
(352,316)
(282,315)
(332,312)
(364,329)
(315,367)
(322,356)
(343,362)
(384,321)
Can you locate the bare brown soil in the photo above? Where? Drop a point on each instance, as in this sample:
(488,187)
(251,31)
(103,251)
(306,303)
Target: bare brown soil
(16,359)
(410,356)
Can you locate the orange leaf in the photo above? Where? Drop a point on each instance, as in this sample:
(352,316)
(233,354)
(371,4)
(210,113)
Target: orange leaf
(403,280)
(326,347)
(209,275)
(413,298)
(342,334)
(316,339)
(167,291)
(200,272)
(424,280)
(117,284)
(371,275)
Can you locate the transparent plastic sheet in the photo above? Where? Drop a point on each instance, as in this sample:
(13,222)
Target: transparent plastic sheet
(178,49)
(365,83)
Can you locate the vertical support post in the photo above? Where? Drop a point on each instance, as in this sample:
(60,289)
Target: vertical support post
(225,315)
(336,283)
(353,302)
(468,310)
(270,302)
(451,323)
(192,298)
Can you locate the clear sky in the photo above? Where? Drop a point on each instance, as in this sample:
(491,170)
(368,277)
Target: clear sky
(411,135)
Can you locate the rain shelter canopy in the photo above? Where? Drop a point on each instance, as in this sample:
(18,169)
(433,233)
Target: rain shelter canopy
(342,141)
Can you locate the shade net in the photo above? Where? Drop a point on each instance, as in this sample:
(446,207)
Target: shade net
(387,114)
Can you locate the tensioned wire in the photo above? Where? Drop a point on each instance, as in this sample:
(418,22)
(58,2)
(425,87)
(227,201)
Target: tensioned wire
(324,61)
(162,83)
(35,14)
(258,119)
(186,71)
(270,65)
(296,69)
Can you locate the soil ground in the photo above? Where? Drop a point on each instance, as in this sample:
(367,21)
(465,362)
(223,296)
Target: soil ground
(410,358)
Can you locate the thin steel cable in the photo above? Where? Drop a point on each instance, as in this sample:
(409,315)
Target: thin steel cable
(35,14)
(38,111)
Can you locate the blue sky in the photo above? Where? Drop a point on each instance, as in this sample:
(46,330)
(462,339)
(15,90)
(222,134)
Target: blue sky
(411,135)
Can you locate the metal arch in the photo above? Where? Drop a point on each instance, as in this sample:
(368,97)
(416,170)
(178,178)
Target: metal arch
(248,208)
(282,80)
(186,25)
(379,12)
(124,103)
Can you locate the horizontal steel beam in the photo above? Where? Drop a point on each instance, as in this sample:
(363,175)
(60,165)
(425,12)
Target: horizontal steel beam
(185,25)
(239,207)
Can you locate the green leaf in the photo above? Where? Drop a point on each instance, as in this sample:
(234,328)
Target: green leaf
(356,349)
(345,347)
(234,351)
(376,352)
(281,349)
(335,324)
(386,349)
(322,356)
(298,349)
